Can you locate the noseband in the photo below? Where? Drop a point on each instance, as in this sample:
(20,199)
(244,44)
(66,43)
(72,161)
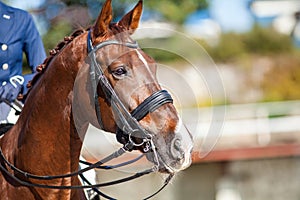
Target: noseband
(129,130)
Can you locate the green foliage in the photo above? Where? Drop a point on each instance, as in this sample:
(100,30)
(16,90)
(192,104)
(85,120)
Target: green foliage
(282,81)
(158,54)
(75,2)
(230,46)
(56,34)
(281,78)
(266,40)
(262,41)
(176,10)
(161,55)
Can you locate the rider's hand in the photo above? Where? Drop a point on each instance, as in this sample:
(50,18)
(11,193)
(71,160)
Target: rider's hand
(10,92)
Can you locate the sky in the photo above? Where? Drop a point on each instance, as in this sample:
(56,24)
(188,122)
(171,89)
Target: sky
(232,15)
(24,4)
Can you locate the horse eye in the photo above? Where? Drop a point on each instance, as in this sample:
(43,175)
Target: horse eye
(119,72)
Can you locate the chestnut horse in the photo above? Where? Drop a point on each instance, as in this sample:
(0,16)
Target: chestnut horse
(47,138)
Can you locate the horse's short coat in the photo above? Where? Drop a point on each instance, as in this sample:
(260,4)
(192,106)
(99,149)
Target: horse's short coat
(45,140)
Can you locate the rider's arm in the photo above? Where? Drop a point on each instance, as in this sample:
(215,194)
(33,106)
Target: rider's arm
(33,45)
(33,48)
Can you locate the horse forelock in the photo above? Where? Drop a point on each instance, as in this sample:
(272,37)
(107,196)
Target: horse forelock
(118,32)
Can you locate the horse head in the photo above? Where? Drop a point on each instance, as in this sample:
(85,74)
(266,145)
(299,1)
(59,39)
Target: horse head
(130,86)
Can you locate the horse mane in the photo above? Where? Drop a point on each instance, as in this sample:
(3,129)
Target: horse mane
(52,53)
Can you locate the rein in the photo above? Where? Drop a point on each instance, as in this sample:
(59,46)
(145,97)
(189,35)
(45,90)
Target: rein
(98,165)
(128,131)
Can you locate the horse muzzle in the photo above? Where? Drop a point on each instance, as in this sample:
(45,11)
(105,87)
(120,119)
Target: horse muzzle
(173,152)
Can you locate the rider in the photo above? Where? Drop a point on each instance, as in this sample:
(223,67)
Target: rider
(18,34)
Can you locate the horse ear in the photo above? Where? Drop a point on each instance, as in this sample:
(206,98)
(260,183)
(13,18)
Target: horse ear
(131,20)
(103,20)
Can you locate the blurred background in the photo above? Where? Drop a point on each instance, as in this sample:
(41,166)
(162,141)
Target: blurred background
(255,45)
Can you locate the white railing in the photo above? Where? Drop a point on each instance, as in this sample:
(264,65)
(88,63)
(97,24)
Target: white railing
(259,119)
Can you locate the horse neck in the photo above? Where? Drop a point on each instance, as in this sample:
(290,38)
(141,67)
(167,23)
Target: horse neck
(45,129)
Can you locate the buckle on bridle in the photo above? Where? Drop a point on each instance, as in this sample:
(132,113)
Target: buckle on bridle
(136,138)
(147,147)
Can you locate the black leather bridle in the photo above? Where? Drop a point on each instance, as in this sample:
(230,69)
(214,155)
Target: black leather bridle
(129,130)
(128,127)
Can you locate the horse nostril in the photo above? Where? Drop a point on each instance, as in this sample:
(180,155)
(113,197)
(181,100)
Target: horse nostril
(176,149)
(177,144)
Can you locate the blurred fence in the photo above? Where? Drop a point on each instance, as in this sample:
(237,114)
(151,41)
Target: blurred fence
(249,126)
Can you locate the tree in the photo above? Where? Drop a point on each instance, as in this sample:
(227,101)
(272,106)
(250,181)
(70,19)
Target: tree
(176,10)
(171,10)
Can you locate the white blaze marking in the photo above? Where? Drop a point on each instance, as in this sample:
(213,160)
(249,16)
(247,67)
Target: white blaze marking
(141,57)
(179,125)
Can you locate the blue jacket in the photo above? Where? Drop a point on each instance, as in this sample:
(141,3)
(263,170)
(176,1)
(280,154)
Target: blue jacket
(18,34)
